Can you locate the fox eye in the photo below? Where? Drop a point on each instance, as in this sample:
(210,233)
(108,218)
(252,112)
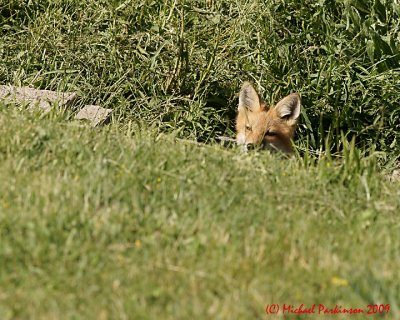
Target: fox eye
(248,127)
(270,134)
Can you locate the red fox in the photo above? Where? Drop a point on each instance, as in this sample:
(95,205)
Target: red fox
(270,127)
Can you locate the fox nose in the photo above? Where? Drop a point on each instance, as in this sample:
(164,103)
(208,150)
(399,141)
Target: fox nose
(250,146)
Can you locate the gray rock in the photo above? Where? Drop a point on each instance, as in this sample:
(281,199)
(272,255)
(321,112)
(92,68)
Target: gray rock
(395,176)
(34,98)
(95,114)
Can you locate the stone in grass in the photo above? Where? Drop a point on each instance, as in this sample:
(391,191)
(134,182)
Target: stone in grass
(395,176)
(95,114)
(33,98)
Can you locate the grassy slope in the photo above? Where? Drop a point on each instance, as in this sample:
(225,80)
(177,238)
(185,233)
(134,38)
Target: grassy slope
(128,224)
(120,223)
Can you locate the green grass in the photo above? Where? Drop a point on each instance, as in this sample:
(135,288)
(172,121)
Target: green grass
(125,223)
(179,64)
(136,220)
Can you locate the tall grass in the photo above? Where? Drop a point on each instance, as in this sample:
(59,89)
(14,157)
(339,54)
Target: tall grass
(179,64)
(135,221)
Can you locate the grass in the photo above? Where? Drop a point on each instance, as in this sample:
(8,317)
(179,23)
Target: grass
(179,64)
(118,223)
(136,220)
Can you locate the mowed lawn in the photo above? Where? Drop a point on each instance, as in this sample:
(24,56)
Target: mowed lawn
(122,222)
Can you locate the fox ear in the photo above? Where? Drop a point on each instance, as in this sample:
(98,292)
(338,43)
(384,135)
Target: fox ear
(289,107)
(248,98)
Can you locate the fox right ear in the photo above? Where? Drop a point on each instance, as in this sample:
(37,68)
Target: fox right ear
(248,98)
(289,107)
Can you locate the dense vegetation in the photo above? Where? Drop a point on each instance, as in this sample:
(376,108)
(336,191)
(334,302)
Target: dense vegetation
(179,64)
(135,220)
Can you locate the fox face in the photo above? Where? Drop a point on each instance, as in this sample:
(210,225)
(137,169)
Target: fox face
(270,127)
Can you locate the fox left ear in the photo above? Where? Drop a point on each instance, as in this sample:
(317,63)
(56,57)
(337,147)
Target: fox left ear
(249,98)
(289,107)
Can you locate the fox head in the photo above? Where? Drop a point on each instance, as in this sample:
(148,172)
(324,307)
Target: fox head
(270,127)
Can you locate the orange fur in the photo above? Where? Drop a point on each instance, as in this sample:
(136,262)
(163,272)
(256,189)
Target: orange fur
(270,127)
